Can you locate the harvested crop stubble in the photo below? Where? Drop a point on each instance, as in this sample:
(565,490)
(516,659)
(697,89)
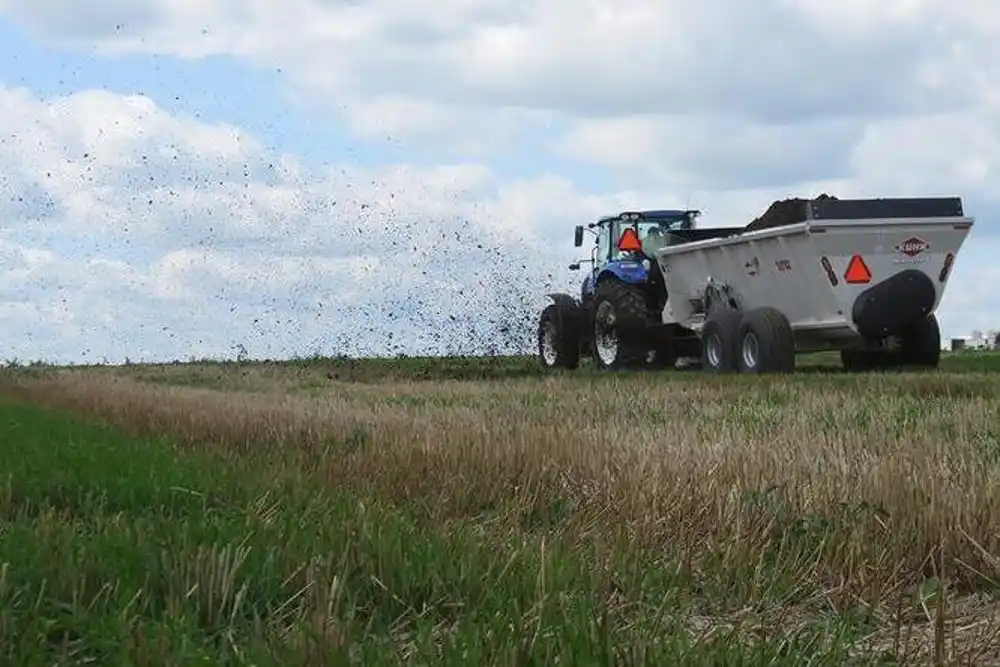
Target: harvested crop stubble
(867,476)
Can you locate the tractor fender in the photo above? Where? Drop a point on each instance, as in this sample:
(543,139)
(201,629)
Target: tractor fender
(632,273)
(569,310)
(564,300)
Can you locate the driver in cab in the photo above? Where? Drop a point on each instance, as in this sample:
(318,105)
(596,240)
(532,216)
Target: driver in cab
(655,239)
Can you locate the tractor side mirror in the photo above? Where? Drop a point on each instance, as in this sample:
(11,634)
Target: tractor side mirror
(575,266)
(578,237)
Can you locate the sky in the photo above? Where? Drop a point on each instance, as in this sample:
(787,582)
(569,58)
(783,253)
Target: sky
(187,179)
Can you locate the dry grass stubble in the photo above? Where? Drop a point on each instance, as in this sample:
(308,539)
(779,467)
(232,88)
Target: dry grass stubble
(849,494)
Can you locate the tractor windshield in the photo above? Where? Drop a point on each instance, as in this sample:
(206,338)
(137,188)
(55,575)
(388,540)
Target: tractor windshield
(652,235)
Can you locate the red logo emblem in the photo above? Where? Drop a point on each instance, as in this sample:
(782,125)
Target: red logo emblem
(913,246)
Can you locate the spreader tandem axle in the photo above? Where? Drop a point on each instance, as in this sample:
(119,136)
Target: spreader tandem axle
(862,276)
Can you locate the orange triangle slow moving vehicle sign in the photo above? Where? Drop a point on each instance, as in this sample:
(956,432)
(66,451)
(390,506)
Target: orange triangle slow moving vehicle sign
(629,241)
(857,271)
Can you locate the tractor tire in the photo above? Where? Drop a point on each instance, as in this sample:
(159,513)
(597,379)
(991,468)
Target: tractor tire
(558,338)
(621,321)
(766,342)
(718,342)
(920,344)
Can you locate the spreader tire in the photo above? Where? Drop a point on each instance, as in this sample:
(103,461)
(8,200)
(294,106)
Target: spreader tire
(718,342)
(766,342)
(920,344)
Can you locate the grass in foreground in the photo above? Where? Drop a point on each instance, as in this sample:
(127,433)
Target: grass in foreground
(822,520)
(121,551)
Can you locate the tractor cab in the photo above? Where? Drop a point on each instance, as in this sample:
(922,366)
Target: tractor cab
(625,242)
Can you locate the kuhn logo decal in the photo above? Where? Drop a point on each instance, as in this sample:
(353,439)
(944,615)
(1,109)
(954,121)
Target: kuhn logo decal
(913,246)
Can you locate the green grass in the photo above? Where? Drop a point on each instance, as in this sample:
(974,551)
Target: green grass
(120,551)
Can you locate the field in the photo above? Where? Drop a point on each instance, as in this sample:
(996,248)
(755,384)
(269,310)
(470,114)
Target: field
(478,512)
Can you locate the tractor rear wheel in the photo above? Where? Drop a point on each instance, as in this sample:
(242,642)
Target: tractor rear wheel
(621,322)
(558,339)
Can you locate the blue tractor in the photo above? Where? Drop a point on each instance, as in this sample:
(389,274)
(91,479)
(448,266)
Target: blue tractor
(617,320)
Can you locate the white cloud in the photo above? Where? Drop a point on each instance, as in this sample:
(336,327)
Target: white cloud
(183,274)
(469,130)
(421,67)
(933,153)
(185,251)
(715,152)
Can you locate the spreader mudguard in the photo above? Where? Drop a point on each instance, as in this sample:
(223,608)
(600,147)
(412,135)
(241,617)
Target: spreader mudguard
(889,306)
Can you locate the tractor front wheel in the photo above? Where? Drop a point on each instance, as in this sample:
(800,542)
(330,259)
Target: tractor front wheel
(558,341)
